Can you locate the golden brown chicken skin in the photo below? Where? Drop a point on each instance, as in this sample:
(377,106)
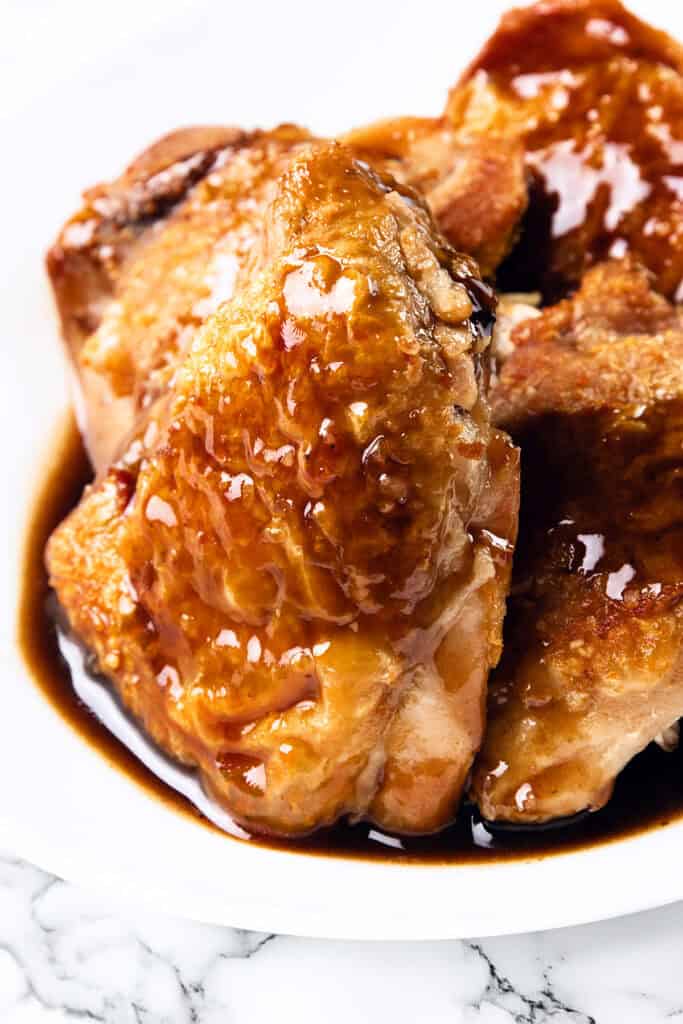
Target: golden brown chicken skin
(140,267)
(593,668)
(474,184)
(295,574)
(596,99)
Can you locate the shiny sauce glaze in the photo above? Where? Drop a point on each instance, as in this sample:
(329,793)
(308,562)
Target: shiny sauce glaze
(596,99)
(649,793)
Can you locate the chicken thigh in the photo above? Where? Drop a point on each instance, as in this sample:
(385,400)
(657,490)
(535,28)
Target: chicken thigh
(596,99)
(592,669)
(294,573)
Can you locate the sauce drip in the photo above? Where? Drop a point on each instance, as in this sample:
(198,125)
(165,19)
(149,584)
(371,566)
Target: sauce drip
(649,793)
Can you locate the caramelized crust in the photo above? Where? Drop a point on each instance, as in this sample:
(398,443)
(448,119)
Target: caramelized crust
(596,99)
(150,256)
(295,572)
(592,669)
(86,261)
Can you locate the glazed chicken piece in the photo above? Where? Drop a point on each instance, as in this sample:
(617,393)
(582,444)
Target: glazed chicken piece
(295,573)
(592,669)
(596,99)
(150,256)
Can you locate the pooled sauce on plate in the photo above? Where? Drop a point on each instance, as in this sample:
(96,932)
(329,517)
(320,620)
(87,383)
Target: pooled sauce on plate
(648,793)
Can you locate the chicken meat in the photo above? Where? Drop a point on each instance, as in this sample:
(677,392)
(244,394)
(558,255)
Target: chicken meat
(595,97)
(592,669)
(294,571)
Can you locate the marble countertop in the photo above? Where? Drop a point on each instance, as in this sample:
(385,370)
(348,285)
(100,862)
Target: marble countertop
(67,955)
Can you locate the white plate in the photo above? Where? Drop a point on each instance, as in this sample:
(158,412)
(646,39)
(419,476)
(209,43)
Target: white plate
(80,92)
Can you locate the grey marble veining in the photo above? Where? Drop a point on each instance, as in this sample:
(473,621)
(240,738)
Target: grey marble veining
(68,955)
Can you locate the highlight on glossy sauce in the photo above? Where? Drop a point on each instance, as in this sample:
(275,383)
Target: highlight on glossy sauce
(596,97)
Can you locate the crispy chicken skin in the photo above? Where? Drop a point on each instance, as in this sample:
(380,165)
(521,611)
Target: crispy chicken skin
(140,267)
(596,99)
(475,185)
(592,669)
(295,572)
(148,257)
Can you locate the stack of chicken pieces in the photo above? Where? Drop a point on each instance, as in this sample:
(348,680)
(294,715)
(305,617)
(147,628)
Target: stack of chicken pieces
(294,561)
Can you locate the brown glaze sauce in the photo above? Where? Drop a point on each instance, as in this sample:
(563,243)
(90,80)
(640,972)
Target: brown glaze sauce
(649,792)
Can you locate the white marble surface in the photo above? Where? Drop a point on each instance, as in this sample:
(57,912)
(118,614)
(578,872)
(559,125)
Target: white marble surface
(68,955)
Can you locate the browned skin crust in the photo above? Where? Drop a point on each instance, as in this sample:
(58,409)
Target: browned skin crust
(295,573)
(138,268)
(86,260)
(596,99)
(474,185)
(592,667)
